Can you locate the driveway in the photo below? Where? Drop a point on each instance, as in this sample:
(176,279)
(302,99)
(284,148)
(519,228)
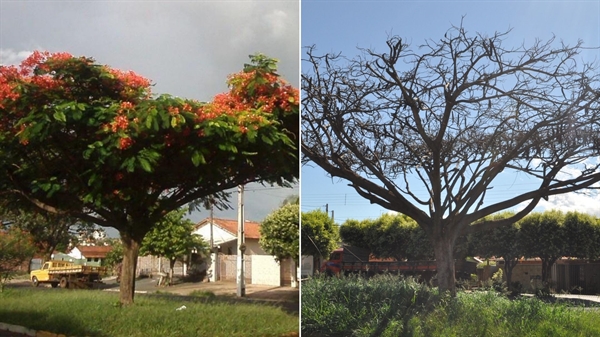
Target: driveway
(220,288)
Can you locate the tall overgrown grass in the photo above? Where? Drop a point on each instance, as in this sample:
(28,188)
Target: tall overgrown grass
(388,305)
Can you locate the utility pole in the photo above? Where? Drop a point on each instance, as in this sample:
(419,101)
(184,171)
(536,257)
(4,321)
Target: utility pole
(215,264)
(332,215)
(327,208)
(241,240)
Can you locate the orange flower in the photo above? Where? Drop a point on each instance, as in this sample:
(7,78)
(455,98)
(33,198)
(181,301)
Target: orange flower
(125,143)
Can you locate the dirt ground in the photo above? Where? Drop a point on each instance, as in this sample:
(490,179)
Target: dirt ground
(222,288)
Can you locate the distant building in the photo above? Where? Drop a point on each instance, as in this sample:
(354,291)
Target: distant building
(225,235)
(260,267)
(91,255)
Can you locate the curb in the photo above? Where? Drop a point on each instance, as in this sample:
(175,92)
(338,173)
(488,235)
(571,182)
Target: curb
(27,332)
(30,332)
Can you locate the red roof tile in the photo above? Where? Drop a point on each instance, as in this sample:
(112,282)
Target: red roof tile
(94,251)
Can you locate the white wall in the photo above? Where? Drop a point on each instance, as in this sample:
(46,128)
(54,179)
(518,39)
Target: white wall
(307,266)
(265,270)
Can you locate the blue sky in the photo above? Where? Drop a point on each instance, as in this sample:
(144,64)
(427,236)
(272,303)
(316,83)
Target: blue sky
(342,26)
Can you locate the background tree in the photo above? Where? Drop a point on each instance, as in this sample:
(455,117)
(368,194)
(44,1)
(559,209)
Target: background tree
(389,236)
(543,235)
(582,238)
(49,232)
(502,242)
(427,132)
(115,256)
(172,238)
(85,140)
(16,249)
(292,199)
(279,235)
(319,235)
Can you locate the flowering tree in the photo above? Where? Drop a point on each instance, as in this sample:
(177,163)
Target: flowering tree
(82,139)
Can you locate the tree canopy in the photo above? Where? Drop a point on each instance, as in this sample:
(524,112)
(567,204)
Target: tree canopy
(391,235)
(86,140)
(319,234)
(428,132)
(16,249)
(502,242)
(172,238)
(48,231)
(279,233)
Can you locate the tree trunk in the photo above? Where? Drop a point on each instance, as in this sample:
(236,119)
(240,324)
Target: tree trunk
(294,271)
(547,263)
(509,265)
(444,257)
(171,271)
(131,248)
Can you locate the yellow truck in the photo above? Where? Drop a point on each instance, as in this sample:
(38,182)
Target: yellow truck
(67,274)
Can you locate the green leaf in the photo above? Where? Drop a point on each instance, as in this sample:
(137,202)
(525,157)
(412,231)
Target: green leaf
(60,116)
(145,164)
(92,179)
(149,121)
(266,140)
(76,115)
(198,158)
(129,164)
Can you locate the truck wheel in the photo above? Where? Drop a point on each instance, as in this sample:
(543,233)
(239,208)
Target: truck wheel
(64,282)
(35,282)
(54,284)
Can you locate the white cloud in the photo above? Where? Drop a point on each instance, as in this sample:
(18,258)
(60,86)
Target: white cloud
(584,201)
(10,57)
(278,23)
(581,202)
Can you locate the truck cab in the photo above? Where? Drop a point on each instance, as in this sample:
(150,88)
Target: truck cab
(334,264)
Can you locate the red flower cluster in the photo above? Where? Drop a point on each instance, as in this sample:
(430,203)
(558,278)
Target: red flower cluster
(125,106)
(7,87)
(39,59)
(121,122)
(248,93)
(125,143)
(131,79)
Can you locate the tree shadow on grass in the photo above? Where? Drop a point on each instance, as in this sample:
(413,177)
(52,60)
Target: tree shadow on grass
(55,324)
(290,307)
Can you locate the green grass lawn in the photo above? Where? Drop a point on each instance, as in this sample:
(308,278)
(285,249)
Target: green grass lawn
(390,306)
(97,313)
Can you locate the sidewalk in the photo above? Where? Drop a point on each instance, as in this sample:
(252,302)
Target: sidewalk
(220,288)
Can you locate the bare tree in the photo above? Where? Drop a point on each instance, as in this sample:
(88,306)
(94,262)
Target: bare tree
(428,133)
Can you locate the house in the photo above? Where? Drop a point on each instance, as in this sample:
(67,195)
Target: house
(91,255)
(260,267)
(566,275)
(225,235)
